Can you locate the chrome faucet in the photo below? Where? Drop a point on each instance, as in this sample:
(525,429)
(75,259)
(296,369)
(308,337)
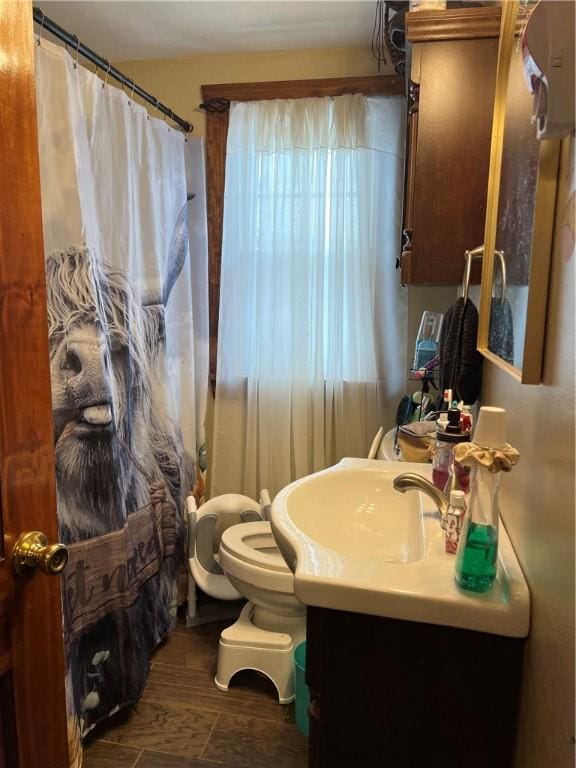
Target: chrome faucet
(412,481)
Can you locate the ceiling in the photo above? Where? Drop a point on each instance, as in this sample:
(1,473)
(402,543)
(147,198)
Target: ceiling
(144,29)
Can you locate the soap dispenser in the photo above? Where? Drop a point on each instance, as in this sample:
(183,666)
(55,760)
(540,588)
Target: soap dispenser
(487,456)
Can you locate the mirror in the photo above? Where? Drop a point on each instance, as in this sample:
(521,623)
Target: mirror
(519,220)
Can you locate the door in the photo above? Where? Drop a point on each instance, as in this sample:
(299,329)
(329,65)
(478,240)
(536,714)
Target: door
(32,695)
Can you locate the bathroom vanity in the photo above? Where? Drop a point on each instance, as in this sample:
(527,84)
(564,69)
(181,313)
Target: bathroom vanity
(388,693)
(405,670)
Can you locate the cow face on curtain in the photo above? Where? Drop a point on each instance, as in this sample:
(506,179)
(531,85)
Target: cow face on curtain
(110,442)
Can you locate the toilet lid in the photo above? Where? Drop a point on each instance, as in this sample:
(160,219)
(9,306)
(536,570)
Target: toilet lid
(255,544)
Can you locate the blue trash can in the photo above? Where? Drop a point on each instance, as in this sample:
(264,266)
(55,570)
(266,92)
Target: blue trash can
(302,692)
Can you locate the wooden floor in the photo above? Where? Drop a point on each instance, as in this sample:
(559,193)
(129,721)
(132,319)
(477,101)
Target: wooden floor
(183,721)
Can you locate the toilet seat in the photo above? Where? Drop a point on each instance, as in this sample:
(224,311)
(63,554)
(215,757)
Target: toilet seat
(248,552)
(254,543)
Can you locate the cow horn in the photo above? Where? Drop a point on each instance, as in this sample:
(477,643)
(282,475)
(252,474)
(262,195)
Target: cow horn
(176,257)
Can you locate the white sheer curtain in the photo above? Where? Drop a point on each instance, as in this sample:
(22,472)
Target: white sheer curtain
(311,348)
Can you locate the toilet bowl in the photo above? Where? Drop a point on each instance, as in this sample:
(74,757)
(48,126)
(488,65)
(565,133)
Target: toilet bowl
(273,622)
(253,563)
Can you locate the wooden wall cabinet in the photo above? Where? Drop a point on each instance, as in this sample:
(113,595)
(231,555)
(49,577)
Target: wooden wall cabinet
(387,693)
(450,106)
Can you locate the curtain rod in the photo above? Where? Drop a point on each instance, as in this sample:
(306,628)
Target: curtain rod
(45,23)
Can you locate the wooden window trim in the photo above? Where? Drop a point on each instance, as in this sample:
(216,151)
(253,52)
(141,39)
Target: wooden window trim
(216,137)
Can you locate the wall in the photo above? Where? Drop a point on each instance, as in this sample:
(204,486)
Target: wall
(537,502)
(177,82)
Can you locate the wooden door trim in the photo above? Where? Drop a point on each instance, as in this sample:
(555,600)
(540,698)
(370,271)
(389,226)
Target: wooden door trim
(27,474)
(216,136)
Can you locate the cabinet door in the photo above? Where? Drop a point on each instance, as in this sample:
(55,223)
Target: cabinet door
(455,99)
(402,694)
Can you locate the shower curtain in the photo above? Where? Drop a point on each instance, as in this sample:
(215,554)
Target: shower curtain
(126,268)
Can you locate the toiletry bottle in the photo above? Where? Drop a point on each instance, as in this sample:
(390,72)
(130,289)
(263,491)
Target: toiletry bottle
(477,555)
(426,348)
(444,470)
(454,520)
(488,455)
(466,418)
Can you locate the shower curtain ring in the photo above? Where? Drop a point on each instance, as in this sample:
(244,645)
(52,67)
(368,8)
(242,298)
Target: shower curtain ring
(41,27)
(77,50)
(107,73)
(132,91)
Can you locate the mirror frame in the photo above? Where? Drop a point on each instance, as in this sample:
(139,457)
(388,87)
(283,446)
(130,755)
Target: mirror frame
(543,225)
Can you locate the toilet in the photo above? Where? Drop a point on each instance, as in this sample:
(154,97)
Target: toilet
(273,621)
(249,564)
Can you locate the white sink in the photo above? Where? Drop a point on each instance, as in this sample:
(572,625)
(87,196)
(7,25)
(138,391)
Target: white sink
(356,544)
(349,512)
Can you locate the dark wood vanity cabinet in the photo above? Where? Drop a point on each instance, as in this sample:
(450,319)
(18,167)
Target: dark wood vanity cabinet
(387,693)
(450,104)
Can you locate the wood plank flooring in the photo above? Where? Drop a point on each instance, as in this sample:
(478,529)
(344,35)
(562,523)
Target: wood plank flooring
(184,721)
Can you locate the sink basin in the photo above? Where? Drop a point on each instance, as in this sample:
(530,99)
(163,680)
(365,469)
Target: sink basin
(357,512)
(356,544)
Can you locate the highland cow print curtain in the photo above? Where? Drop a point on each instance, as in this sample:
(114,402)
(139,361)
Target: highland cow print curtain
(126,270)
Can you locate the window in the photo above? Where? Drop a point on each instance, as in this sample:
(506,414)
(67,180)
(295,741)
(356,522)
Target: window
(217,99)
(311,228)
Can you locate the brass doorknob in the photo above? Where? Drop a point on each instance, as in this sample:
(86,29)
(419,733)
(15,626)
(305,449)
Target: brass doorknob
(32,551)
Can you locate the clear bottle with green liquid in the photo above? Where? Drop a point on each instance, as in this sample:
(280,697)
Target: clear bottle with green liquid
(488,455)
(477,554)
